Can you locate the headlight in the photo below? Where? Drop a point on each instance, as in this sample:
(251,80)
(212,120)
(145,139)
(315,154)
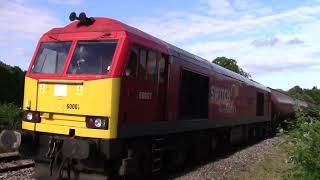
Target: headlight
(97,122)
(32,116)
(29,116)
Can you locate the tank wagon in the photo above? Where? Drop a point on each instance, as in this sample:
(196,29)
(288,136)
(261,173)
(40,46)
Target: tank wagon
(109,97)
(283,105)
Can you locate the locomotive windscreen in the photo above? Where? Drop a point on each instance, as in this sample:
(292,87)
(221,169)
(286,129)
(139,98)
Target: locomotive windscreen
(51,58)
(89,57)
(93,57)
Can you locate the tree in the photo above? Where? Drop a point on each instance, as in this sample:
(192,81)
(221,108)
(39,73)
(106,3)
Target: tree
(295,90)
(230,64)
(12,79)
(309,95)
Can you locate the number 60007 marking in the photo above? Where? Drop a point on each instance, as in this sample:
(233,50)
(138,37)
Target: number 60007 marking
(73,106)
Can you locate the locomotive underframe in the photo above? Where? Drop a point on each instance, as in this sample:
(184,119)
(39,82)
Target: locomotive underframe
(123,156)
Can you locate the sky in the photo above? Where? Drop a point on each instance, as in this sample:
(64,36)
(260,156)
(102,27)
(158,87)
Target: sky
(277,42)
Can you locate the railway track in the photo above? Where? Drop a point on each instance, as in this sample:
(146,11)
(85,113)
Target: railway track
(13,161)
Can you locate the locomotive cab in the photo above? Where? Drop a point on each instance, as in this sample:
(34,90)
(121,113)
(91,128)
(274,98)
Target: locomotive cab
(73,82)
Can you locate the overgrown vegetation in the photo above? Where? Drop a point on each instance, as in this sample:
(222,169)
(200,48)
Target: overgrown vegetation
(11,96)
(303,146)
(10,116)
(297,157)
(309,95)
(12,82)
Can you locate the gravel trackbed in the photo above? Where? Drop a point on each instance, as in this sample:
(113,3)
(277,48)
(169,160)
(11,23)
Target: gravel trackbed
(225,167)
(229,166)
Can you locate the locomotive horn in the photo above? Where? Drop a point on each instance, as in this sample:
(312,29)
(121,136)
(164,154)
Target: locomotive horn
(73,16)
(85,20)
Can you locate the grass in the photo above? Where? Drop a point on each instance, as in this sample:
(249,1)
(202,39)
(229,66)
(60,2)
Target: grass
(274,166)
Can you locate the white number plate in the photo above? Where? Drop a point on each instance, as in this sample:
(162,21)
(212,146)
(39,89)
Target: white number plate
(60,90)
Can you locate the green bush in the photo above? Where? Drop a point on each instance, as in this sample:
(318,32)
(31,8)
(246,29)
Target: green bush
(10,116)
(303,146)
(12,83)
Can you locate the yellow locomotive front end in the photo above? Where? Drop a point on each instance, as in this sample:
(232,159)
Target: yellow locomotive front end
(72,86)
(72,107)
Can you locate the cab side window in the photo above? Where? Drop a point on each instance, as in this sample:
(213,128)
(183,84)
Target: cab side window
(260,104)
(151,65)
(142,64)
(162,68)
(131,70)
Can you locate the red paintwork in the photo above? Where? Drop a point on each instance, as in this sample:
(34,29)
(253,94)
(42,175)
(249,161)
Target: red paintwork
(243,111)
(164,104)
(284,105)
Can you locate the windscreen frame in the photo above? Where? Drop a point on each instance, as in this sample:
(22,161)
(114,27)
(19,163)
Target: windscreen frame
(67,66)
(114,67)
(36,55)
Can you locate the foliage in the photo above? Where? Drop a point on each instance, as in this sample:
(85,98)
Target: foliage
(11,96)
(309,95)
(12,82)
(303,146)
(230,64)
(10,116)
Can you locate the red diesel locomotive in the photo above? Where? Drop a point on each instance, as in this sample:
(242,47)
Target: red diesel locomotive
(100,91)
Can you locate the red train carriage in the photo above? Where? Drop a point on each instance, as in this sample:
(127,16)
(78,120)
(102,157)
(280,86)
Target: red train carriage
(134,100)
